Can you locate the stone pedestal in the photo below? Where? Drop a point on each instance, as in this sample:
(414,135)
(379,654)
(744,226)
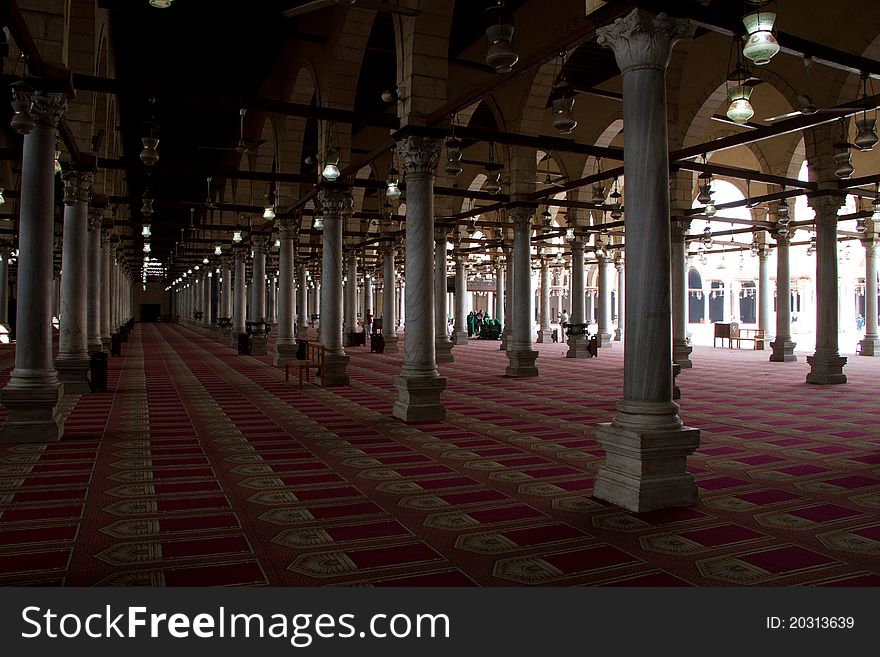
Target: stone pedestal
(335,371)
(646,445)
(521,362)
(646,470)
(826,367)
(419,399)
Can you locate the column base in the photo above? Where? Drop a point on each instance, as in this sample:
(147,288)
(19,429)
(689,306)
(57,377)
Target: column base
(617,334)
(443,349)
(676,391)
(545,336)
(283,352)
(302,331)
(646,470)
(827,369)
(224,336)
(258,346)
(334,371)
(32,414)
(95,347)
(505,339)
(74,375)
(578,347)
(605,341)
(522,362)
(783,351)
(419,399)
(459,337)
(105,343)
(681,352)
(869,347)
(391,340)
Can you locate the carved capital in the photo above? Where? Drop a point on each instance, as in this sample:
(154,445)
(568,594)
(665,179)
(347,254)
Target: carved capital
(419,155)
(825,206)
(441,234)
(96,218)
(334,202)
(47,109)
(77,186)
(522,217)
(783,236)
(642,40)
(238,252)
(679,231)
(260,243)
(870,248)
(288,227)
(577,246)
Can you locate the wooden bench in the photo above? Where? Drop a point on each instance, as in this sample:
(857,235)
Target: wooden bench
(726,331)
(314,360)
(755,336)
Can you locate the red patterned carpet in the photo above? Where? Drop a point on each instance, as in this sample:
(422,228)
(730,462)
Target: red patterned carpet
(205,468)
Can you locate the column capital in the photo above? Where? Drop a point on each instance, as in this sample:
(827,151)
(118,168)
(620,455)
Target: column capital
(441,234)
(288,227)
(620,263)
(577,244)
(642,40)
(96,218)
(783,235)
(238,251)
(419,155)
(226,262)
(679,231)
(334,201)
(522,215)
(47,109)
(388,249)
(870,245)
(260,243)
(77,186)
(825,206)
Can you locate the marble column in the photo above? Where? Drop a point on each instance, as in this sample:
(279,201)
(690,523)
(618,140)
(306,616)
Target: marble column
(420,385)
(577,342)
(5,254)
(389,316)
(258,293)
(460,335)
(107,254)
(870,344)
(207,282)
(93,305)
(621,297)
(826,365)
(302,317)
(272,313)
(225,309)
(285,342)
(335,202)
(764,291)
(520,355)
(507,328)
(350,297)
(442,344)
(604,282)
(544,331)
(646,446)
(681,350)
(31,396)
(368,307)
(238,299)
(500,281)
(782,346)
(72,362)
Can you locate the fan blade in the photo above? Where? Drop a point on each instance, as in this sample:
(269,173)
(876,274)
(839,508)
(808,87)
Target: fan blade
(309,7)
(384,6)
(782,116)
(218,148)
(724,119)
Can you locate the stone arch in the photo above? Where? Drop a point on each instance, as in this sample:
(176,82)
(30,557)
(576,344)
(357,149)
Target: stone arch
(291,129)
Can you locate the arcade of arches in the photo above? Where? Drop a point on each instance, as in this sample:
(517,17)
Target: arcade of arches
(343,295)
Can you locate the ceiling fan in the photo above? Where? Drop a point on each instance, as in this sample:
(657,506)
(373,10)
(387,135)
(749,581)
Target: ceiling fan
(806,106)
(242,147)
(552,179)
(376,5)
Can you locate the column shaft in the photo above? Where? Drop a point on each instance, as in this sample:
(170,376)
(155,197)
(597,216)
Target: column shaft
(389,315)
(520,355)
(681,350)
(461,301)
(870,344)
(335,203)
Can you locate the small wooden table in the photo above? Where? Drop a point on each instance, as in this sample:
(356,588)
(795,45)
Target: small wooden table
(314,360)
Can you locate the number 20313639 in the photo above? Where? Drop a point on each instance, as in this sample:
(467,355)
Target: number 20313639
(810,623)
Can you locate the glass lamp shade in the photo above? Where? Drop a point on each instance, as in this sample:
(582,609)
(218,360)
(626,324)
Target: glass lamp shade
(569,234)
(598,194)
(269,212)
(57,164)
(161,4)
(705,195)
(22,121)
(147,247)
(393,191)
(866,138)
(146,231)
(146,206)
(277,243)
(844,168)
(236,237)
(218,250)
(501,56)
(196,267)
(331,165)
(710,209)
(760,45)
(149,155)
(563,117)
(319,222)
(493,183)
(205,261)
(2,200)
(740,109)
(453,157)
